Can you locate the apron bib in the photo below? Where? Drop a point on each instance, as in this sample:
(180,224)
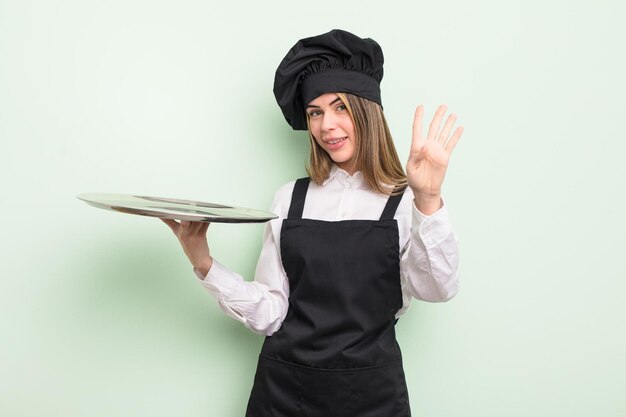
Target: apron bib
(335,354)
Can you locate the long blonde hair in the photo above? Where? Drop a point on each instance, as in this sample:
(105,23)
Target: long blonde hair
(375,154)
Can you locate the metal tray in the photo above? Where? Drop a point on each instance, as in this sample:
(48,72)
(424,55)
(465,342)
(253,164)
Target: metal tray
(171,208)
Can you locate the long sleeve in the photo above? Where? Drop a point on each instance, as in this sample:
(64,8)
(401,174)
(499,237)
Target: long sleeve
(261,305)
(430,259)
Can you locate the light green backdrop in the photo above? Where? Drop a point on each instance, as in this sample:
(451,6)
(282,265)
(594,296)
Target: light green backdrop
(100,312)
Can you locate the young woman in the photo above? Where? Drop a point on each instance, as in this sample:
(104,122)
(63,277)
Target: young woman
(354,242)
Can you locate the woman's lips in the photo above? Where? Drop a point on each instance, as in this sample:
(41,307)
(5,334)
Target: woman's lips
(335,143)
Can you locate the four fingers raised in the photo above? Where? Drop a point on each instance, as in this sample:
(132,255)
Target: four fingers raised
(436,132)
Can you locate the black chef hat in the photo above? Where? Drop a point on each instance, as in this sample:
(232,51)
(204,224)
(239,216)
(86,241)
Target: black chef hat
(334,62)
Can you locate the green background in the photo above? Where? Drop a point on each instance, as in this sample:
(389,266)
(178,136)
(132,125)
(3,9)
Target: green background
(100,313)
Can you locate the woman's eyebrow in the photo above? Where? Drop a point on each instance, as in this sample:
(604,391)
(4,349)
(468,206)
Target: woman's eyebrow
(330,104)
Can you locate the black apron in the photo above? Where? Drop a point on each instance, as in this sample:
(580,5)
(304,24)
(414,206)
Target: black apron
(336,353)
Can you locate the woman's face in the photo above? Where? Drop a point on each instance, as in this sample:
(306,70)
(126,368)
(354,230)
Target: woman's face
(333,129)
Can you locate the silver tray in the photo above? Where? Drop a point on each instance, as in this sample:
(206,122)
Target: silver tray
(171,208)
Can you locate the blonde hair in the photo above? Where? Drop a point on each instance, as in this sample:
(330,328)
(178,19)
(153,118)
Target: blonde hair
(375,155)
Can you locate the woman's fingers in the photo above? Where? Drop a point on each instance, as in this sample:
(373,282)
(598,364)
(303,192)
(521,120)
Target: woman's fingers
(172,224)
(204,227)
(449,146)
(190,228)
(433,129)
(186,227)
(417,142)
(447,128)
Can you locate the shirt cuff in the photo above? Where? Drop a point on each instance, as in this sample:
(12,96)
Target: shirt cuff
(220,278)
(433,228)
(217,270)
(199,275)
(222,284)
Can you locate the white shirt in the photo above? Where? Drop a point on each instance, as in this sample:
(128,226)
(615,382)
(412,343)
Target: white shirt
(428,251)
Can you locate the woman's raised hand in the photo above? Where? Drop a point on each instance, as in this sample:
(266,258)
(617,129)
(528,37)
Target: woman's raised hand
(192,237)
(429,156)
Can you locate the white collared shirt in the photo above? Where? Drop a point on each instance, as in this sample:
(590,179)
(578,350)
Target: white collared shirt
(428,251)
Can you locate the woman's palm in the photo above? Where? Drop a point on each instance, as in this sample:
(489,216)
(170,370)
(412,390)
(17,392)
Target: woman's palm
(428,159)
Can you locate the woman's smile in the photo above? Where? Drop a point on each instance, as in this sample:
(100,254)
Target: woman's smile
(335,143)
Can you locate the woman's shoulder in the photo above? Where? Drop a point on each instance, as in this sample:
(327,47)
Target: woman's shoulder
(282,198)
(284,191)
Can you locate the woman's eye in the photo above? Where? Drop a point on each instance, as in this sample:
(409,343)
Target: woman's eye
(314,113)
(341,107)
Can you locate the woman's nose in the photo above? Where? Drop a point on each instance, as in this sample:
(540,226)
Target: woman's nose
(329,121)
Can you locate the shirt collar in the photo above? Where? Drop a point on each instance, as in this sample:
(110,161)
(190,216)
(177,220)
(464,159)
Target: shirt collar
(338,174)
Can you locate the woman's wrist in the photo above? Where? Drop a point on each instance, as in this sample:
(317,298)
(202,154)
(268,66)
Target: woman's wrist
(205,266)
(427,204)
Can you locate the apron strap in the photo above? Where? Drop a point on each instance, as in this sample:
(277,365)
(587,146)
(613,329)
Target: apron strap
(391,206)
(297,198)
